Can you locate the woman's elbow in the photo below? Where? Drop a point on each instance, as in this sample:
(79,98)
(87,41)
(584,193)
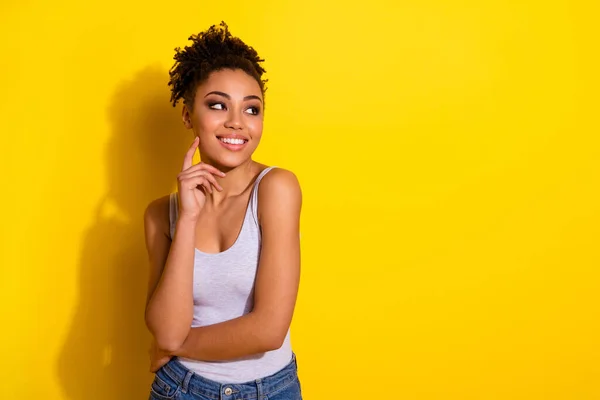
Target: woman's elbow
(169,345)
(169,340)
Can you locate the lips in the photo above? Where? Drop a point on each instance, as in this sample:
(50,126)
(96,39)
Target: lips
(233,142)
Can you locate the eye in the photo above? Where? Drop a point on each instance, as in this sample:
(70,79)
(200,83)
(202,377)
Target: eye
(253,110)
(216,106)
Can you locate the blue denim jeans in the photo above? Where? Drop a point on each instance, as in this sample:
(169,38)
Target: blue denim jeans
(174,381)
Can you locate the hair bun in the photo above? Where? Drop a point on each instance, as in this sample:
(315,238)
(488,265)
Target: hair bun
(211,50)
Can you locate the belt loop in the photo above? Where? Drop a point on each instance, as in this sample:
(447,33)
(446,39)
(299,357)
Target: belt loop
(186,381)
(259,389)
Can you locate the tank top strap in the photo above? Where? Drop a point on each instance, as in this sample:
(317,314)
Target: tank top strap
(254,194)
(174,203)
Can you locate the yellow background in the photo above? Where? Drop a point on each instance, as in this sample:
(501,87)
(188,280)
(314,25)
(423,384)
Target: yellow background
(449,158)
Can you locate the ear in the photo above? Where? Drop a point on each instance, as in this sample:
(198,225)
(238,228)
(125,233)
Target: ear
(186,116)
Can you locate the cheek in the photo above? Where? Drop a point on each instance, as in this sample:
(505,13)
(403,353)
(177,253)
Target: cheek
(208,122)
(255,126)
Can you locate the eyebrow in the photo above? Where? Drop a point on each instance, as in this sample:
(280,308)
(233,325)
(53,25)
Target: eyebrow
(229,97)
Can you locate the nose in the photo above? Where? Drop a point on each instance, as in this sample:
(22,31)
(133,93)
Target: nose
(233,120)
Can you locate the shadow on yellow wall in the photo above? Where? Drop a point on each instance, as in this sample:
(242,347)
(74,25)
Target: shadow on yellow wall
(105,354)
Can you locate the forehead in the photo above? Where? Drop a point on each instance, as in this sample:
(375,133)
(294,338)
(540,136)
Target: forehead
(233,82)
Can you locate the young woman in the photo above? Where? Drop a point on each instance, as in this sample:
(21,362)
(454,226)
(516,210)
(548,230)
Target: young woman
(224,249)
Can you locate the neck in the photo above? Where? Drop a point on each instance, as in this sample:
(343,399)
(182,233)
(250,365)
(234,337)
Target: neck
(235,182)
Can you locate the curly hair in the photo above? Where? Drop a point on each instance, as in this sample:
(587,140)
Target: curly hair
(212,50)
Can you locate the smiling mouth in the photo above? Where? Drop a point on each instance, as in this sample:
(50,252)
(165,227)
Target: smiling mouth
(233,141)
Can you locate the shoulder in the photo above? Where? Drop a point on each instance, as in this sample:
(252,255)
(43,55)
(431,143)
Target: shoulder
(279,188)
(156,215)
(280,182)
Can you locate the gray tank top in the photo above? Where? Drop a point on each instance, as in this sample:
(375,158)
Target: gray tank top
(223,289)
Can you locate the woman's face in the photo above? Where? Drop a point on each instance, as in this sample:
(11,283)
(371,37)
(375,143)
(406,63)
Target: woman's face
(227,117)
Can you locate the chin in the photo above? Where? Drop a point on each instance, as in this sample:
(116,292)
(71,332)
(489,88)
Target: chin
(232,161)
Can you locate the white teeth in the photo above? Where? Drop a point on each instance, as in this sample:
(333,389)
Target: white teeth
(232,141)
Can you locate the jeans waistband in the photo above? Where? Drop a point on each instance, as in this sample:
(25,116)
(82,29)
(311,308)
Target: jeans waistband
(191,382)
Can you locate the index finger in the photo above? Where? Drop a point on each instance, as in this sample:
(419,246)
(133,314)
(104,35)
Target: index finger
(189,156)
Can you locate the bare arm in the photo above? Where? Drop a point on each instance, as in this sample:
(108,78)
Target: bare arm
(169,308)
(169,304)
(277,281)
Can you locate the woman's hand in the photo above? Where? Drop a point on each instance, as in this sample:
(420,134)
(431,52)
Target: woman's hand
(158,358)
(193,182)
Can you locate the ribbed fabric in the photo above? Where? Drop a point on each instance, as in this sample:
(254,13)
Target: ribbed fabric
(224,289)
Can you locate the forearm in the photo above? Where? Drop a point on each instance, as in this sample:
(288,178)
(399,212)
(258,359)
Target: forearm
(169,311)
(239,337)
